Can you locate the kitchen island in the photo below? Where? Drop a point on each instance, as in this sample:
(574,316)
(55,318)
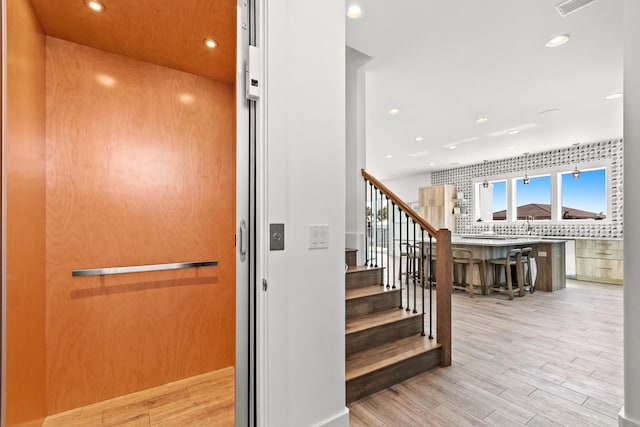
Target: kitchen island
(549,254)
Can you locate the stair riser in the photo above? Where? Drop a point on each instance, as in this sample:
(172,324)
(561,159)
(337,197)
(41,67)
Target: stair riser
(372,337)
(360,279)
(350,257)
(368,384)
(371,304)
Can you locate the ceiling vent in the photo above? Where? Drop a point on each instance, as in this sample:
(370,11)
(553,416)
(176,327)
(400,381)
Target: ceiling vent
(570,6)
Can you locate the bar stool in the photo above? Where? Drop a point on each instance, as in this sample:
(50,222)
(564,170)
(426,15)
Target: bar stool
(406,252)
(526,272)
(463,262)
(412,255)
(513,258)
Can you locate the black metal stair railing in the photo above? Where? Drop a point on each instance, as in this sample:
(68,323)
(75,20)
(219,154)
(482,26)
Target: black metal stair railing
(401,243)
(402,248)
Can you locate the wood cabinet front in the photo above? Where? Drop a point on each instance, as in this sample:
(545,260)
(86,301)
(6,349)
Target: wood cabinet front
(600,260)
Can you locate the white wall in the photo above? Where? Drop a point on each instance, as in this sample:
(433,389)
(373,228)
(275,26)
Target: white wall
(303,175)
(355,150)
(406,187)
(630,414)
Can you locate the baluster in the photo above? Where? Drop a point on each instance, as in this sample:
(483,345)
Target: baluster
(381,241)
(375,225)
(366,226)
(408,253)
(400,261)
(430,288)
(371,225)
(380,246)
(419,253)
(423,260)
(393,242)
(388,238)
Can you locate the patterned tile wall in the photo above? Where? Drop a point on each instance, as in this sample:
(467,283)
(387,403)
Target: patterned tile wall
(462,178)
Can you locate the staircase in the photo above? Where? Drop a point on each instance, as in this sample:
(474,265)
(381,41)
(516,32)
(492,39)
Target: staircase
(384,345)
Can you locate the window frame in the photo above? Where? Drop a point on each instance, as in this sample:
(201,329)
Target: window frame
(477,207)
(556,193)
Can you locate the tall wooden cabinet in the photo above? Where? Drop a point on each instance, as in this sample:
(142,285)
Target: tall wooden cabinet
(436,205)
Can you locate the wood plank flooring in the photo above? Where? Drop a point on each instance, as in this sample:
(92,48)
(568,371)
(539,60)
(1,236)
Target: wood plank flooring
(203,400)
(546,359)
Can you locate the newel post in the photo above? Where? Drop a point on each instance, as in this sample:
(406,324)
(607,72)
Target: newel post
(444,278)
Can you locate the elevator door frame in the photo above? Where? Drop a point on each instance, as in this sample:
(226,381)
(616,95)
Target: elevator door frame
(245,359)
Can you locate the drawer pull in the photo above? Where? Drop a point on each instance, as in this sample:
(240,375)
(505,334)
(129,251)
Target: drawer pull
(603,253)
(604,268)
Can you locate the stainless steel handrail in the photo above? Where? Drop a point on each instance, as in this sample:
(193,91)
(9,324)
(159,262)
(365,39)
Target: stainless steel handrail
(142,268)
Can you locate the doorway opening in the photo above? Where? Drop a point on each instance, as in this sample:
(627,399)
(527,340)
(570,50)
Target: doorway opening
(119,135)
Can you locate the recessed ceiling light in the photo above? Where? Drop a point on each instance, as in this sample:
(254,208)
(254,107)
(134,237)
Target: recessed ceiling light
(95,5)
(394,111)
(614,96)
(452,147)
(481,120)
(510,148)
(389,156)
(354,11)
(432,164)
(106,80)
(210,43)
(513,132)
(419,138)
(186,98)
(558,40)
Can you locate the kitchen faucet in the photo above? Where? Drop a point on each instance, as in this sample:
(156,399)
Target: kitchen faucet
(529,225)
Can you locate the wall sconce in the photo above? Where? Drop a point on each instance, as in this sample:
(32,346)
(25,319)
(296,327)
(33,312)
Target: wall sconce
(576,172)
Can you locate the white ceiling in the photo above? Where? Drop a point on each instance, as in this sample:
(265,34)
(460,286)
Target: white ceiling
(445,63)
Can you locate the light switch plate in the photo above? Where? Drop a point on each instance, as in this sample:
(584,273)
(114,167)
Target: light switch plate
(318,236)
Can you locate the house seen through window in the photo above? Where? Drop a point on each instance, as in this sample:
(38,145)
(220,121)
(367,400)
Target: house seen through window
(533,200)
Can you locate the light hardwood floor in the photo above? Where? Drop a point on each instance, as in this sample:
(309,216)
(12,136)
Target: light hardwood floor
(546,359)
(203,400)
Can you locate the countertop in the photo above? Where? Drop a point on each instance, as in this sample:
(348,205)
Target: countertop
(535,237)
(497,240)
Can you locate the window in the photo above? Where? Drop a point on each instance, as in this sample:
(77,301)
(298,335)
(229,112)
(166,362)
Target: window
(533,200)
(584,197)
(492,201)
(552,194)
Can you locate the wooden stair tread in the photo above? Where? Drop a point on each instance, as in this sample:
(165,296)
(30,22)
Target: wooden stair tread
(367,291)
(360,268)
(388,354)
(373,320)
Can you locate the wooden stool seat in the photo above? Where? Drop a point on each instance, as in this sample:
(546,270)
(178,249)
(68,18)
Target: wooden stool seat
(463,260)
(513,258)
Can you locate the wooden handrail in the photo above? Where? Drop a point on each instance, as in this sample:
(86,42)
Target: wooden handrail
(401,204)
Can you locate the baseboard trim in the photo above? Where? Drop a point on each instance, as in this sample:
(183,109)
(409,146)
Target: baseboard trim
(623,421)
(339,420)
